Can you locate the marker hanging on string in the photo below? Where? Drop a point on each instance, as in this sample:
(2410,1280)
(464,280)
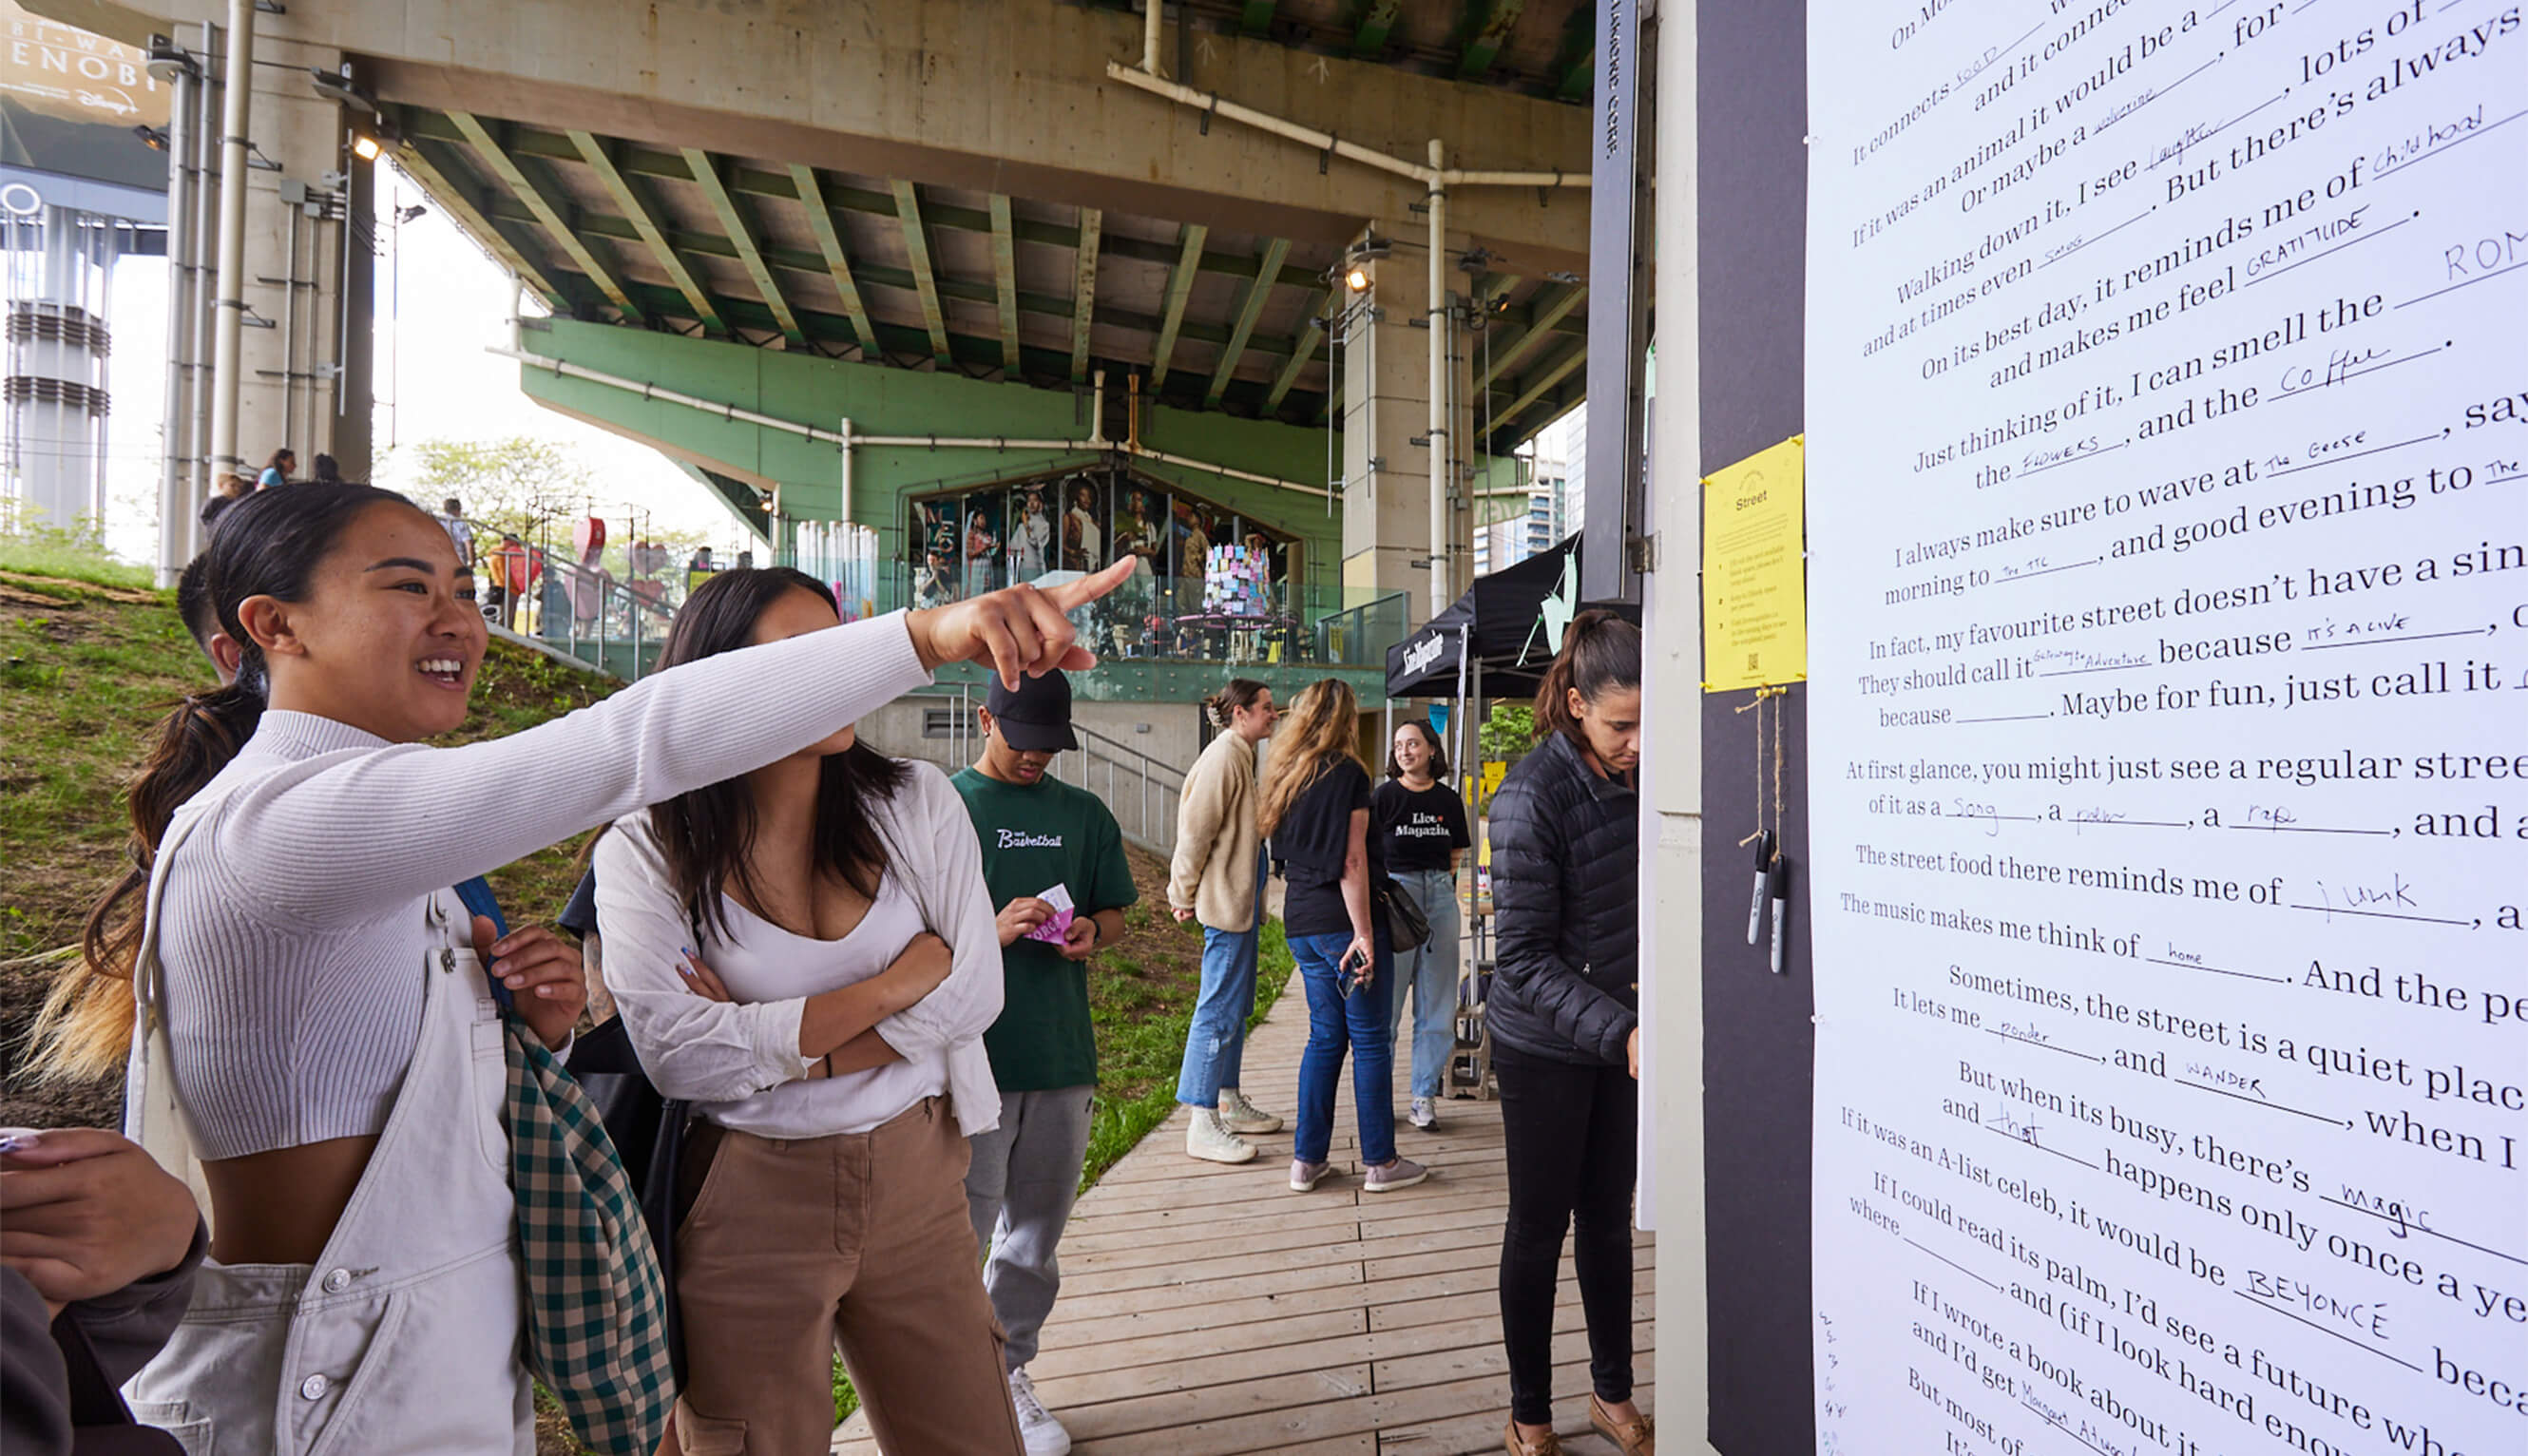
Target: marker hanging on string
(1782,887)
(1756,900)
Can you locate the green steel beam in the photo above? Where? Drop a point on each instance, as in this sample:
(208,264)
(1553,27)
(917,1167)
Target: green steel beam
(778,186)
(1536,385)
(1497,17)
(1258,16)
(829,241)
(741,234)
(881,276)
(552,211)
(1542,326)
(1309,338)
(1180,287)
(1369,37)
(1251,309)
(917,247)
(1573,59)
(1004,278)
(1083,292)
(472,211)
(644,218)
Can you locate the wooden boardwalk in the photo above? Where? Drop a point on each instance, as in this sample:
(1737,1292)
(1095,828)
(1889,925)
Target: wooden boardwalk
(1207,1311)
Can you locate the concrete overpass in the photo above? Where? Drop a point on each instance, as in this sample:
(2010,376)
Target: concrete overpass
(948,220)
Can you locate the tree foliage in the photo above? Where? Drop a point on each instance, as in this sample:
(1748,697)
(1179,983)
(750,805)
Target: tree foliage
(1508,731)
(533,489)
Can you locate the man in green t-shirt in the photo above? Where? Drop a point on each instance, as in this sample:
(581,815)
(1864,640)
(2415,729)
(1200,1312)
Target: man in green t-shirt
(1050,851)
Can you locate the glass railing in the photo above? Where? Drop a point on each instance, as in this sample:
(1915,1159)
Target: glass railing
(1155,618)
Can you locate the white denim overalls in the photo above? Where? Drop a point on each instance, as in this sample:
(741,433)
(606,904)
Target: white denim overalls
(404,1335)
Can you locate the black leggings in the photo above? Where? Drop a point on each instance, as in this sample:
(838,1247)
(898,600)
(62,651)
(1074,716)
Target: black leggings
(1569,1130)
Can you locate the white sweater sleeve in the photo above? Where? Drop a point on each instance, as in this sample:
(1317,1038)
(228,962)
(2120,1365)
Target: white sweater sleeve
(692,1047)
(347,835)
(943,868)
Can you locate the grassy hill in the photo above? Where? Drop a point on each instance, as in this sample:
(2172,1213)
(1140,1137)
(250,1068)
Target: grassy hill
(91,659)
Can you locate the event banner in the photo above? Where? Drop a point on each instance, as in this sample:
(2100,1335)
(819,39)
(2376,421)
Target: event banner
(2168,404)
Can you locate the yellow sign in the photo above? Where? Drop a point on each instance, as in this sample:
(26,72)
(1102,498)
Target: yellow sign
(1492,775)
(1754,577)
(72,75)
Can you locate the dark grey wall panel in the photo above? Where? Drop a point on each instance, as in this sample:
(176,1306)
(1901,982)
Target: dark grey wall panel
(1758,1042)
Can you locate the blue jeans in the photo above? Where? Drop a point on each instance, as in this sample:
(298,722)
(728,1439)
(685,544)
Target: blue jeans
(1360,1022)
(1429,972)
(1216,1041)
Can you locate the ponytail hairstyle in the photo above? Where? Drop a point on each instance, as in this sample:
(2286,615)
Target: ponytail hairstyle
(1439,755)
(269,544)
(1601,652)
(1240,695)
(1321,730)
(705,835)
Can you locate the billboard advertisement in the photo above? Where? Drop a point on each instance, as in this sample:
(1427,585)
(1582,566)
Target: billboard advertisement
(69,101)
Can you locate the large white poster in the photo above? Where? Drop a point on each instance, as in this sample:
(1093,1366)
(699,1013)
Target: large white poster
(2168,469)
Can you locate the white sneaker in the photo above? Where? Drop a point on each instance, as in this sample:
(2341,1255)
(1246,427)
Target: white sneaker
(1041,1433)
(1423,1116)
(1305,1175)
(1211,1142)
(1237,1114)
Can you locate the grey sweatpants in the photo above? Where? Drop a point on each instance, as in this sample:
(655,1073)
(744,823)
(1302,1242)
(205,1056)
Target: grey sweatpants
(1019,1187)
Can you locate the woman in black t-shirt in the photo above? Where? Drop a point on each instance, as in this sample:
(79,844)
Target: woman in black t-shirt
(1316,810)
(1422,824)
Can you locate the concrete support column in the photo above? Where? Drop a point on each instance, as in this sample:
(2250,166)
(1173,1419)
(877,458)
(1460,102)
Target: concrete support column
(304,370)
(1391,463)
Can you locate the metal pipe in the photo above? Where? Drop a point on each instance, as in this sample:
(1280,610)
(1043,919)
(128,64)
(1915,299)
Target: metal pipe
(1324,141)
(198,326)
(1150,35)
(237,77)
(844,437)
(175,504)
(1439,454)
(290,340)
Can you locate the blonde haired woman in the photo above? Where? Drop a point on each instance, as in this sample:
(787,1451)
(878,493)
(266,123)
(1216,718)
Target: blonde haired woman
(1315,807)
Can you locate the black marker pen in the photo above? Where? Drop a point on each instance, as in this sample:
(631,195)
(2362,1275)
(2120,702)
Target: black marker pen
(1756,901)
(1782,887)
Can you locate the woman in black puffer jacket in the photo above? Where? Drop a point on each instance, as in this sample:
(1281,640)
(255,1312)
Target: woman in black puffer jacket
(1563,1014)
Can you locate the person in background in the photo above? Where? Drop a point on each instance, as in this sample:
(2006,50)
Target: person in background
(1566,1039)
(1083,544)
(98,1249)
(746,560)
(806,956)
(460,532)
(328,471)
(1423,825)
(1039,836)
(699,570)
(231,490)
(276,471)
(1218,875)
(1315,808)
(301,838)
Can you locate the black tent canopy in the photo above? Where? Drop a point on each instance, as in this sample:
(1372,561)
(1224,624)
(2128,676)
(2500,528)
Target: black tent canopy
(1507,628)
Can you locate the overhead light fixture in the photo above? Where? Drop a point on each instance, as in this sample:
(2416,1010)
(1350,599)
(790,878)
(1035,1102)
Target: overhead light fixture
(364,146)
(168,60)
(338,85)
(150,137)
(1357,277)
(411,213)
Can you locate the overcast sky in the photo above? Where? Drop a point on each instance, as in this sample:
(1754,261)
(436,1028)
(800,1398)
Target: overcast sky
(436,313)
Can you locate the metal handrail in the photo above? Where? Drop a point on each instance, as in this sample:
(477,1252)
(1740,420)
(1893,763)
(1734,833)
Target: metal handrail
(1152,821)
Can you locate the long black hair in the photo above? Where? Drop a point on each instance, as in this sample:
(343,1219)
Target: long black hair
(269,544)
(705,835)
(1600,651)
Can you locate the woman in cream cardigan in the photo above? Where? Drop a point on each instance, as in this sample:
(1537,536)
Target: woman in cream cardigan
(1218,875)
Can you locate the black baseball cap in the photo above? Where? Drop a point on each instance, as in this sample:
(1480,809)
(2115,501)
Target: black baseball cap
(1037,718)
